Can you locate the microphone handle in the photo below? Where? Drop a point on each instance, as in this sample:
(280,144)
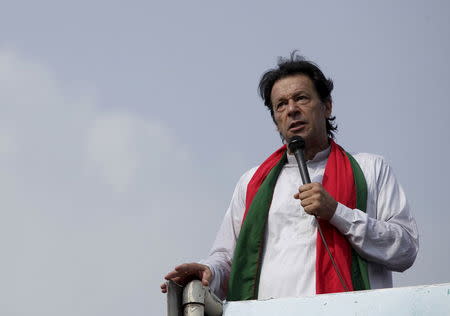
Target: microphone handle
(300,157)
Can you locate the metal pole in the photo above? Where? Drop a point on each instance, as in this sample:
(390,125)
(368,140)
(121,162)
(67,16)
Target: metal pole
(174,299)
(194,299)
(197,300)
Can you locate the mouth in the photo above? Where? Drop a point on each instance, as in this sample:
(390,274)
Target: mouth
(296,126)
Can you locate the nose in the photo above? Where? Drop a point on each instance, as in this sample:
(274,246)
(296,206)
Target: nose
(292,108)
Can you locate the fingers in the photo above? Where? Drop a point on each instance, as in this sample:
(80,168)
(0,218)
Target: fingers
(185,272)
(307,203)
(303,190)
(311,209)
(306,190)
(308,186)
(180,271)
(188,270)
(171,275)
(316,201)
(178,281)
(207,275)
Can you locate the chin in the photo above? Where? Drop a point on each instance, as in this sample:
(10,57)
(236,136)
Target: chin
(301,134)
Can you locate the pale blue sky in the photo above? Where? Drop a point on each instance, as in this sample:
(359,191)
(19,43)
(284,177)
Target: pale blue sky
(124,127)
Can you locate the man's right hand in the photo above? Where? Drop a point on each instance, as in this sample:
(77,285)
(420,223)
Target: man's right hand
(186,272)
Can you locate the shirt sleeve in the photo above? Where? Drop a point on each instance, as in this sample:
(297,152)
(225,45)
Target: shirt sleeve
(221,254)
(387,234)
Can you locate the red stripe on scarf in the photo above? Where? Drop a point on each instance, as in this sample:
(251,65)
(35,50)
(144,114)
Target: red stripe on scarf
(338,181)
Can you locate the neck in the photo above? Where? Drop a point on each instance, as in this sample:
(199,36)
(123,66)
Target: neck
(312,149)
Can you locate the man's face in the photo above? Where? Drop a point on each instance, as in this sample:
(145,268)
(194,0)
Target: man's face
(299,111)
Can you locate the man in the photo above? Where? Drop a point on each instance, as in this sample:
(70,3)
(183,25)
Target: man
(269,245)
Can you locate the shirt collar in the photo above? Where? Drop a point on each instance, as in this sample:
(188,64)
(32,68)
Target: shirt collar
(320,156)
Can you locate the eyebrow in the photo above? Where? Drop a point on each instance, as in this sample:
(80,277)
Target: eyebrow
(296,92)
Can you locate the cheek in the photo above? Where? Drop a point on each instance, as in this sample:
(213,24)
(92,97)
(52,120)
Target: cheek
(277,121)
(319,116)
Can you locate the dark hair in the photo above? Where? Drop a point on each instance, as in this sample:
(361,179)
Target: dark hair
(298,65)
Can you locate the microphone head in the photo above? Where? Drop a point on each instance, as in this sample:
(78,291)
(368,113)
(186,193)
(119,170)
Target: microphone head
(296,143)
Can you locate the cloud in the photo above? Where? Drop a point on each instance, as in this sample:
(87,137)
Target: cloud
(117,145)
(87,196)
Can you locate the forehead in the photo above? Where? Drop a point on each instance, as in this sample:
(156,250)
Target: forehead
(286,86)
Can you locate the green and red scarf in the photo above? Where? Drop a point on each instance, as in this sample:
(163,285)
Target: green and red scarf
(345,182)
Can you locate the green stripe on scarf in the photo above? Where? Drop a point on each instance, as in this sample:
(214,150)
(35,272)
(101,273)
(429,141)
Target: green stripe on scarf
(360,274)
(244,277)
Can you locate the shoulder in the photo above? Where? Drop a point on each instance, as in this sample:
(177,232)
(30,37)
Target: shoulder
(246,177)
(368,158)
(375,167)
(237,205)
(370,161)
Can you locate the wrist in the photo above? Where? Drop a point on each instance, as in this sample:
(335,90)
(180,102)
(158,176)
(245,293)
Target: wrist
(332,210)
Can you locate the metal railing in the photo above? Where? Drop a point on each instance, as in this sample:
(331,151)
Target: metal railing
(192,300)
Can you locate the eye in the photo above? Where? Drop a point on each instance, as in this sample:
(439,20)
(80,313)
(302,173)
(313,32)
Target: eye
(280,106)
(300,97)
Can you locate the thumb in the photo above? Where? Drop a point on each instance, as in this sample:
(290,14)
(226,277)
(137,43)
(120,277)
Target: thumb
(206,276)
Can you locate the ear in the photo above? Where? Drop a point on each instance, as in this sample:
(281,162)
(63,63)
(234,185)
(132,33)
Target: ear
(328,108)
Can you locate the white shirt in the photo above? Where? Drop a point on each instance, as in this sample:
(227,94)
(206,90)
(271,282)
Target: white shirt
(386,235)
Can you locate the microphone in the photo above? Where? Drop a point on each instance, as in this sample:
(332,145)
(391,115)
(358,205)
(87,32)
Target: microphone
(296,146)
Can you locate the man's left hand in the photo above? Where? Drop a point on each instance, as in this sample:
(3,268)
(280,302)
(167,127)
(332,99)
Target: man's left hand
(316,200)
